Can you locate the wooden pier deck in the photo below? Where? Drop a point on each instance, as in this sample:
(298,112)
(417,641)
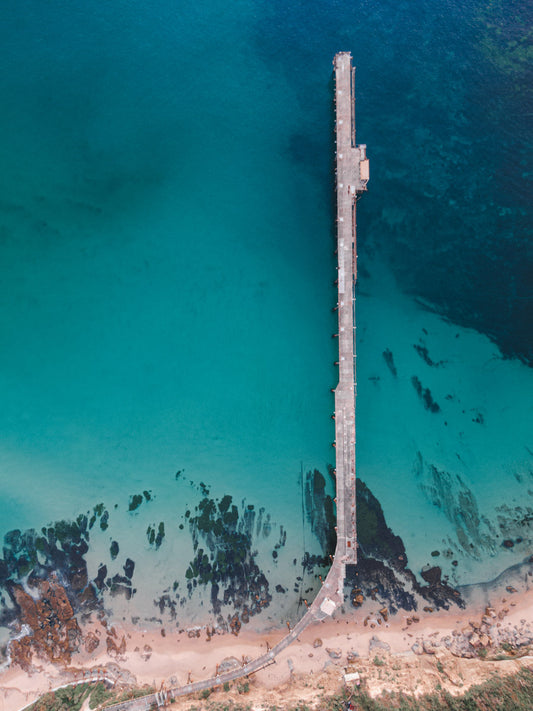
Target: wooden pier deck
(351,180)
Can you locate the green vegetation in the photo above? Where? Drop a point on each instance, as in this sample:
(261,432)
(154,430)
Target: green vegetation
(99,695)
(509,693)
(69,699)
(506,36)
(72,697)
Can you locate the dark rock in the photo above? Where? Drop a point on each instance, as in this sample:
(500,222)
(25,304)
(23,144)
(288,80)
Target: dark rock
(227,561)
(391,585)
(389,360)
(425,395)
(119,585)
(104,521)
(135,501)
(375,538)
(129,568)
(424,354)
(431,574)
(99,581)
(320,511)
(382,570)
(160,535)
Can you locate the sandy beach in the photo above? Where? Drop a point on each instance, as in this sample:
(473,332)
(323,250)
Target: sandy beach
(410,652)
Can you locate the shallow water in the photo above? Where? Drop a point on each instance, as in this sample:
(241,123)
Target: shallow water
(166,246)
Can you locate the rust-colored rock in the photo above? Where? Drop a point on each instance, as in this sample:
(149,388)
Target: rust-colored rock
(235,625)
(90,642)
(114,649)
(55,631)
(21,652)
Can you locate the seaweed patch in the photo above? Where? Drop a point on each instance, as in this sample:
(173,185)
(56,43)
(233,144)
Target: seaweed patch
(425,395)
(225,560)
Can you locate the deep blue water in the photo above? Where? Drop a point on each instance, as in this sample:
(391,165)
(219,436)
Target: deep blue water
(166,234)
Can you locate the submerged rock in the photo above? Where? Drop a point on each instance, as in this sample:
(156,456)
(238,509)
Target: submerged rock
(320,511)
(425,395)
(382,572)
(389,360)
(129,568)
(431,574)
(227,562)
(135,501)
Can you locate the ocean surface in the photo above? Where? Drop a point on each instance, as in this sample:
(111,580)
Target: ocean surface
(166,252)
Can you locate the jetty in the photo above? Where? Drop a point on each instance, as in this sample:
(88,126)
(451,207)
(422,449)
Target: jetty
(352,173)
(351,177)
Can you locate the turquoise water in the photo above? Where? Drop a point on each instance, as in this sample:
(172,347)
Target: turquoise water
(166,251)
(163,262)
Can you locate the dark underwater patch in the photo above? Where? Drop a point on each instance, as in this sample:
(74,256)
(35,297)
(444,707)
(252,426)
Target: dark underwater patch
(225,560)
(425,395)
(389,360)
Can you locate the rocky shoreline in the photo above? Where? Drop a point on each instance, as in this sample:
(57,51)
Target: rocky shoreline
(47,596)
